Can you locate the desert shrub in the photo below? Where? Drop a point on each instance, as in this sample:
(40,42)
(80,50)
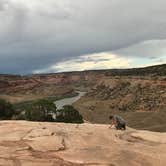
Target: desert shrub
(22,106)
(69,115)
(6,109)
(40,110)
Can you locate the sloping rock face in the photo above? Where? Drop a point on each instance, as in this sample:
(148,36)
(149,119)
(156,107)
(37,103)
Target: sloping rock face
(47,144)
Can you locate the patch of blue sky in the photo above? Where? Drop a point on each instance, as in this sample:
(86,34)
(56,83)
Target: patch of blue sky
(147,61)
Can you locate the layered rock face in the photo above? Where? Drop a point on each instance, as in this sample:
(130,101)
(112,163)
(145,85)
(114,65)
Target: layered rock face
(47,144)
(11,84)
(18,89)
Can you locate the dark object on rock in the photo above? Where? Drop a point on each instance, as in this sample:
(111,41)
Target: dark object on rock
(118,121)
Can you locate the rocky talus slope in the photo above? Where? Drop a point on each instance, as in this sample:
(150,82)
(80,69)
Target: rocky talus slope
(51,144)
(131,94)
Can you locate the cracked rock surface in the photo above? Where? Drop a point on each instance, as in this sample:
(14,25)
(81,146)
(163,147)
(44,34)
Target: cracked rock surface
(57,144)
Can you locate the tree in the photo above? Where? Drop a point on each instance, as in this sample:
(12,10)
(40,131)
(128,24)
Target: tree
(6,109)
(69,115)
(41,110)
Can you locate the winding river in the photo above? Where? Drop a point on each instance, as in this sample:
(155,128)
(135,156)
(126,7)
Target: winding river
(69,101)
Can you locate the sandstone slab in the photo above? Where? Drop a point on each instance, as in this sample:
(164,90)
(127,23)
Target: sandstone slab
(47,144)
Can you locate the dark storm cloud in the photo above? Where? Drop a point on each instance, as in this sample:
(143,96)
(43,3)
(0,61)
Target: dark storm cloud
(37,34)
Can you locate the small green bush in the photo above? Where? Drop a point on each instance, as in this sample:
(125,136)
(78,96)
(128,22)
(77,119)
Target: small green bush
(40,110)
(6,109)
(69,115)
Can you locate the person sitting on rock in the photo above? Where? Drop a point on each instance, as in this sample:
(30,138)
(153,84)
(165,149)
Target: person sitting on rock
(118,122)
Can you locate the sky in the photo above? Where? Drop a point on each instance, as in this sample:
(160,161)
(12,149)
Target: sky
(44,36)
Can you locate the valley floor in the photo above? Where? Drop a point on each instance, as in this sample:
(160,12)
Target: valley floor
(25,143)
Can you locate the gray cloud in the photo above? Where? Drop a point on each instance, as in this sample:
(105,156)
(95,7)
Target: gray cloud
(151,49)
(37,34)
(3,4)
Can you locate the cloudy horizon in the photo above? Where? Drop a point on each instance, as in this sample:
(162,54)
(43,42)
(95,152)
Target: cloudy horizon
(74,35)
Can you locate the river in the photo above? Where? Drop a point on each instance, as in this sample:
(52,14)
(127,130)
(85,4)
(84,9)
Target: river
(69,101)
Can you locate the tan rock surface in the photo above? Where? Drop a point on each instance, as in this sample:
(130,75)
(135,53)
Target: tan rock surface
(53,144)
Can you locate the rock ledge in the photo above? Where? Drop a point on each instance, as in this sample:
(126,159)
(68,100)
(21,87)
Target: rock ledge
(47,144)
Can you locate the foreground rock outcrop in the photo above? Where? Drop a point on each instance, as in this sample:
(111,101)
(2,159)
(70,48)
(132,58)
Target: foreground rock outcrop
(47,144)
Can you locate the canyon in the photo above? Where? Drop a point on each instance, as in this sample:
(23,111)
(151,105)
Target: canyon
(138,95)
